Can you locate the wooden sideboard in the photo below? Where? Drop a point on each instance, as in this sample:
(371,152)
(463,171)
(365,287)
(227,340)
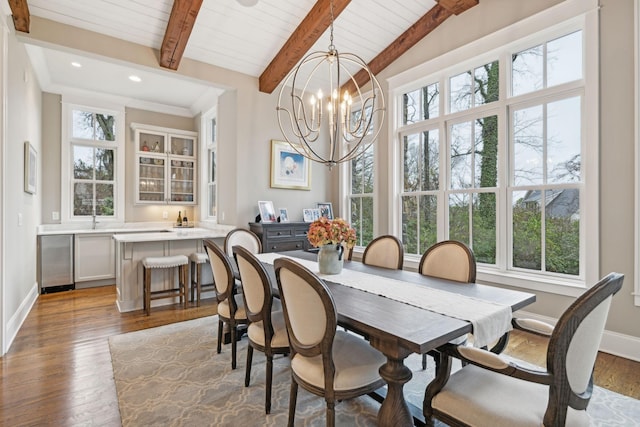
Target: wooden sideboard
(281,236)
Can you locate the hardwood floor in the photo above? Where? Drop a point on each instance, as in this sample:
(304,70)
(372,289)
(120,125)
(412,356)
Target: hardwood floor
(58,369)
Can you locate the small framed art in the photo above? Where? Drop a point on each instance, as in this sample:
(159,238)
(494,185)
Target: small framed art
(284,216)
(267,212)
(307,215)
(326,210)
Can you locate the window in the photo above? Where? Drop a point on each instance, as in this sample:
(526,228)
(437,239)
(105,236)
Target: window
(209,177)
(211,170)
(361,191)
(92,183)
(493,152)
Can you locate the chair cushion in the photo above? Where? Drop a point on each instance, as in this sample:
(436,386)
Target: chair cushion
(255,331)
(199,257)
(164,261)
(223,308)
(480,397)
(356,363)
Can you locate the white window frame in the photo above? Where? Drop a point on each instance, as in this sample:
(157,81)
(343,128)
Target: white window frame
(210,143)
(557,21)
(69,104)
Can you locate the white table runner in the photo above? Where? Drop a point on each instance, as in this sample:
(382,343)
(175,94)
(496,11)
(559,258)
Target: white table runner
(490,320)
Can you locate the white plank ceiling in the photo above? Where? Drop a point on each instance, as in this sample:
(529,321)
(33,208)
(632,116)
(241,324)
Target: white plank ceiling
(226,34)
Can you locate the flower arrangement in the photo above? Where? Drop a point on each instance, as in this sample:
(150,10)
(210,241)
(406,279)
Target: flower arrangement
(326,231)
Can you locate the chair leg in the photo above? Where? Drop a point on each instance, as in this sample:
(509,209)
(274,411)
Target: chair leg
(267,402)
(192,269)
(331,413)
(234,331)
(147,290)
(199,282)
(220,326)
(424,361)
(293,397)
(247,375)
(185,293)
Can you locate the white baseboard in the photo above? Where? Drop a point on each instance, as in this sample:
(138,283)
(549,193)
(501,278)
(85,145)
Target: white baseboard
(15,322)
(626,346)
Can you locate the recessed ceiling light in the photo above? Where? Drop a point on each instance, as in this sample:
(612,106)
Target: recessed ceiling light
(135,78)
(76,64)
(248,3)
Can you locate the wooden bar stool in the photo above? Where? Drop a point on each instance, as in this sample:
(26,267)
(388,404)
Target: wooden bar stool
(198,261)
(177,262)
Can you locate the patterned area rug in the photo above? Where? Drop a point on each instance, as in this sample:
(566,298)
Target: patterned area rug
(172,376)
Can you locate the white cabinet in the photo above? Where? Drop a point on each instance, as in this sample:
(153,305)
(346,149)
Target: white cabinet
(166,164)
(95,257)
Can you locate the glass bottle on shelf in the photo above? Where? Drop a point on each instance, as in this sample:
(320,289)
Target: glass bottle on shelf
(179,221)
(156,148)
(185,222)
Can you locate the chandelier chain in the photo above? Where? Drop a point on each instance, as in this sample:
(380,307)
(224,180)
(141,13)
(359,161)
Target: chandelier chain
(331,46)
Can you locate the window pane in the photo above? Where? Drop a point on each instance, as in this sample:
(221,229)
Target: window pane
(367,220)
(428,222)
(82,198)
(528,143)
(410,224)
(411,107)
(527,229)
(486,152)
(460,98)
(212,166)
(82,162)
(82,124)
(104,164)
(367,169)
(526,71)
(421,104)
(430,164)
(356,176)
(562,231)
(106,128)
(431,96)
(487,79)
(411,156)
(563,141)
(212,200)
(461,154)
(459,217)
(104,199)
(564,59)
(484,227)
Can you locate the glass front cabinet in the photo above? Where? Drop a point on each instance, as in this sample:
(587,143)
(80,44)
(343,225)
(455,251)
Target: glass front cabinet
(165,165)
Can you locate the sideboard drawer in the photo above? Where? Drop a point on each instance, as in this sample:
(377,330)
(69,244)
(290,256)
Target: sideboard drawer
(281,246)
(280,233)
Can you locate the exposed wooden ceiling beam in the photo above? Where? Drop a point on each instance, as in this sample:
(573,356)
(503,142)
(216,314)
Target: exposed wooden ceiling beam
(20,15)
(183,17)
(303,38)
(429,22)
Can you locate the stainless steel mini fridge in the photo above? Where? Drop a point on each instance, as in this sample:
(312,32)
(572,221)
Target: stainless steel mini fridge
(55,262)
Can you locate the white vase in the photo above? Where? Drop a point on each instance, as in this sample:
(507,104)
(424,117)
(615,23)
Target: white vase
(330,259)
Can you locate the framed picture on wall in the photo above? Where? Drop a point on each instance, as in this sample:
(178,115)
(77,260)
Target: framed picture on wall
(289,168)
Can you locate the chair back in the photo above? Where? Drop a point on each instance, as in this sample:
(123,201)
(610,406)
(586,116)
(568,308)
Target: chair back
(222,271)
(309,312)
(573,348)
(256,288)
(384,251)
(244,238)
(451,260)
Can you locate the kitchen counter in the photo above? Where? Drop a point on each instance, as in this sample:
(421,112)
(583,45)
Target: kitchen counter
(172,234)
(85,228)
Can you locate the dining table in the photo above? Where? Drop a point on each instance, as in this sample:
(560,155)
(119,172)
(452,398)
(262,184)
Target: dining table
(397,327)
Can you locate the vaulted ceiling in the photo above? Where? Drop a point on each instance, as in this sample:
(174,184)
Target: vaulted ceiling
(265,41)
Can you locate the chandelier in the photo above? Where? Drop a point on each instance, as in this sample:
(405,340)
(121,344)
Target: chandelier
(311,104)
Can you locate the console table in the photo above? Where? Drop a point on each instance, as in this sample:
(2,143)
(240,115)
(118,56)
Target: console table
(281,236)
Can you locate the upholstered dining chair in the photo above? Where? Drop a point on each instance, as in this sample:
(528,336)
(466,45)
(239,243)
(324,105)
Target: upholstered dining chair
(451,260)
(384,251)
(324,361)
(267,331)
(244,238)
(231,308)
(492,390)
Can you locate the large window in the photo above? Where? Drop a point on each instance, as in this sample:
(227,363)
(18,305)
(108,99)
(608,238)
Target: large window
(209,176)
(492,152)
(212,208)
(92,146)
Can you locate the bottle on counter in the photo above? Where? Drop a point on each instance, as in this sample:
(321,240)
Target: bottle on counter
(179,221)
(185,221)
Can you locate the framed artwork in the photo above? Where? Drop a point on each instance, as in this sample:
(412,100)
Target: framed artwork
(284,216)
(289,169)
(267,213)
(316,213)
(326,210)
(307,215)
(30,168)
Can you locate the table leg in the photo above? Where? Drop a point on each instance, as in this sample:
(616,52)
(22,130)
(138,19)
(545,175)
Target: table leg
(394,410)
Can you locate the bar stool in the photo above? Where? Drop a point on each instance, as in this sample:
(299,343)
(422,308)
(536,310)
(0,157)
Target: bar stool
(179,262)
(197,261)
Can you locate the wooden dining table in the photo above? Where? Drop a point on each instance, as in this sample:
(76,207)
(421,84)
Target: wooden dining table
(398,329)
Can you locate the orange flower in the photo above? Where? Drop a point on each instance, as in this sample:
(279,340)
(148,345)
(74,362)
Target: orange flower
(325,231)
